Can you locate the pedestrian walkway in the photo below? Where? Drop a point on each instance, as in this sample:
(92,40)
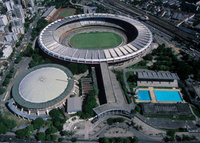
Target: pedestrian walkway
(146,128)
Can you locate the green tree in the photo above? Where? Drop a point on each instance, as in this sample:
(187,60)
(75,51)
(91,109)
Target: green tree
(74,139)
(170,133)
(3,128)
(104,140)
(148,57)
(54,137)
(135,139)
(127,140)
(137,108)
(18,44)
(25,133)
(48,137)
(6,81)
(9,75)
(64,133)
(40,136)
(60,140)
(10,124)
(2,90)
(3,10)
(120,140)
(12,70)
(37,123)
(77,68)
(55,113)
(51,130)
(110,121)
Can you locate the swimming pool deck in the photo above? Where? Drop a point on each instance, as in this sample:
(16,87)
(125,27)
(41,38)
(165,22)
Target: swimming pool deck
(153,96)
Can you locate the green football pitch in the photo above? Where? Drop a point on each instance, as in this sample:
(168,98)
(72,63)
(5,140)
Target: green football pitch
(95,40)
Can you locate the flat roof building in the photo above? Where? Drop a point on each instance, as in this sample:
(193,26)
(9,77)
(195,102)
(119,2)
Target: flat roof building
(157,79)
(74,105)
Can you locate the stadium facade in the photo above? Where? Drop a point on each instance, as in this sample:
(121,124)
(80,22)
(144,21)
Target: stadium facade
(138,38)
(40,89)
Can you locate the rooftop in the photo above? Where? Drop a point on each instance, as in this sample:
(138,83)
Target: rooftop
(157,75)
(43,86)
(74,104)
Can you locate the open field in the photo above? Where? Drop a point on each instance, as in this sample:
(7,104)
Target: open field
(62,12)
(67,12)
(96,40)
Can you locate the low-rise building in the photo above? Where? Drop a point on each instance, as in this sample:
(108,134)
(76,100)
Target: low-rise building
(157,79)
(74,105)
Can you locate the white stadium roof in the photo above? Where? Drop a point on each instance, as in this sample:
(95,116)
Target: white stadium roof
(49,41)
(43,84)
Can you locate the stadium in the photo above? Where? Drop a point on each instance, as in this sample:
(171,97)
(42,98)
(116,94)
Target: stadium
(95,38)
(40,89)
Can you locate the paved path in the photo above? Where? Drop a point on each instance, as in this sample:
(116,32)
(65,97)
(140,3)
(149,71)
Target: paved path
(19,69)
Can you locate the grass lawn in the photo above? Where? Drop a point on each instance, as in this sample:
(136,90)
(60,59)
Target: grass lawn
(137,66)
(9,115)
(96,40)
(66,12)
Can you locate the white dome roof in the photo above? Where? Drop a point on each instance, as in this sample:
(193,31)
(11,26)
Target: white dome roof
(43,84)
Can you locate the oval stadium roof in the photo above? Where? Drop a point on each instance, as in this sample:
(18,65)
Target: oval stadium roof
(49,39)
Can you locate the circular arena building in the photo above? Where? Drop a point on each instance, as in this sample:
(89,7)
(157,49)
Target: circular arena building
(62,39)
(40,89)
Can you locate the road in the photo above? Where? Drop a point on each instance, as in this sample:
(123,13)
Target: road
(25,40)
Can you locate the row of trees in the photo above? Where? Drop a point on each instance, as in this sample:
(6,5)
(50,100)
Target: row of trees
(28,22)
(55,124)
(20,40)
(171,137)
(40,25)
(8,76)
(120,78)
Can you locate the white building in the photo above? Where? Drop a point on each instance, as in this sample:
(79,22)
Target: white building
(3,20)
(12,4)
(9,37)
(19,12)
(7,3)
(2,29)
(32,3)
(7,51)
(17,25)
(18,29)
(16,22)
(14,36)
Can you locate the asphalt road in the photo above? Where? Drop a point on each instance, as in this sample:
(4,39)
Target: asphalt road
(25,40)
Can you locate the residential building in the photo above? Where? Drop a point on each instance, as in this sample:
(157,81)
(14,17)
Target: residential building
(3,20)
(19,12)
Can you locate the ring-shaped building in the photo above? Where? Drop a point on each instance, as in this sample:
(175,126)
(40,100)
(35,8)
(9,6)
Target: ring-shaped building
(42,88)
(138,38)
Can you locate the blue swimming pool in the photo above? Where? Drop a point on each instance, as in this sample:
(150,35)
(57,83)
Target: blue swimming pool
(168,96)
(144,95)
